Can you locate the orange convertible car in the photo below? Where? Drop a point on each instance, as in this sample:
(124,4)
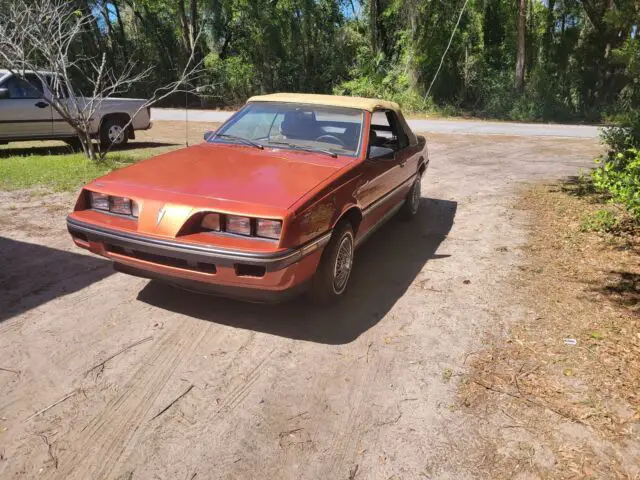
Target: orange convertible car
(272,203)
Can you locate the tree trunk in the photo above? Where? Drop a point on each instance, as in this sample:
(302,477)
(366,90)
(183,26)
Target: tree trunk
(547,38)
(184,25)
(520,45)
(123,35)
(193,31)
(373,25)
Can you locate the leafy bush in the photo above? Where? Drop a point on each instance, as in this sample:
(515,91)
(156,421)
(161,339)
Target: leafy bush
(233,79)
(392,86)
(620,177)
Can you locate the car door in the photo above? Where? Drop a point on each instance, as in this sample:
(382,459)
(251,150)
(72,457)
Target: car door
(381,177)
(24,114)
(61,127)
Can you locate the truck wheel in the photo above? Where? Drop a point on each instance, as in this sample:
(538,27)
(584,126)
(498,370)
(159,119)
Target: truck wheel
(113,133)
(412,202)
(330,281)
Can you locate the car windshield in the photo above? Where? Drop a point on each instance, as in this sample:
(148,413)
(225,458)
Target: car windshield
(330,130)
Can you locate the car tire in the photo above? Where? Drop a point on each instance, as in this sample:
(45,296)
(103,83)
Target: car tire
(330,281)
(411,204)
(113,133)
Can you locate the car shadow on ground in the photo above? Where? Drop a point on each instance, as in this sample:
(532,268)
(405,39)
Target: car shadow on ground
(385,266)
(19,151)
(31,275)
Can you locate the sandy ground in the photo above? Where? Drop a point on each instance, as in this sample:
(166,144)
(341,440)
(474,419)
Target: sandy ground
(359,391)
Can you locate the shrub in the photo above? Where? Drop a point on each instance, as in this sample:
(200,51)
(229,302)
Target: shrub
(619,175)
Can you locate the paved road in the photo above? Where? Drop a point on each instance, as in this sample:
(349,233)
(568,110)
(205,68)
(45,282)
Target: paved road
(432,126)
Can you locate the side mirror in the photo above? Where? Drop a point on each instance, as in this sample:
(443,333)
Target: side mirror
(209,134)
(381,153)
(4,93)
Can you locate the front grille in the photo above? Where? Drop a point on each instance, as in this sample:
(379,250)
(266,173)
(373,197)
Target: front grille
(203,267)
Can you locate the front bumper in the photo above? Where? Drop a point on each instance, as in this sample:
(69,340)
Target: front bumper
(200,264)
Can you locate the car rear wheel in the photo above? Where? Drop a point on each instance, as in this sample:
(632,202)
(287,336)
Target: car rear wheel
(412,202)
(332,277)
(113,133)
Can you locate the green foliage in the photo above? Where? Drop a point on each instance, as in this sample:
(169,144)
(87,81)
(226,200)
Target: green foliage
(620,177)
(234,76)
(582,58)
(602,221)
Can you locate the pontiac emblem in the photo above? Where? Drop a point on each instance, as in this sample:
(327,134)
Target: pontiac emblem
(161,213)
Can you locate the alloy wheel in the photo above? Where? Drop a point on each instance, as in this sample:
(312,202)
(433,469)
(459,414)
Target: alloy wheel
(415,195)
(343,264)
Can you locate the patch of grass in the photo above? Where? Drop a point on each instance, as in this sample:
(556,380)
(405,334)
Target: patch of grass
(603,221)
(57,172)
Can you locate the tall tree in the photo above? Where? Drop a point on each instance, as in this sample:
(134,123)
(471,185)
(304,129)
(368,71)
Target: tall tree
(520,45)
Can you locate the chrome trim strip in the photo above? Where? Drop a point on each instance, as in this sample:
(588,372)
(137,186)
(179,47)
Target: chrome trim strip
(380,222)
(386,196)
(272,261)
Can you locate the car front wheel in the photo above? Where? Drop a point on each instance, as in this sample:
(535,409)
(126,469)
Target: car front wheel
(330,281)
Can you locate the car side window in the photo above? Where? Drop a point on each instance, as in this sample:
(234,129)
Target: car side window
(24,88)
(386,131)
(398,131)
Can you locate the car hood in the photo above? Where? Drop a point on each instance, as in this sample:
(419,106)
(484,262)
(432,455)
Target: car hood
(230,174)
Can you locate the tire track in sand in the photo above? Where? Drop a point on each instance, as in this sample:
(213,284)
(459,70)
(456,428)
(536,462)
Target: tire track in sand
(95,451)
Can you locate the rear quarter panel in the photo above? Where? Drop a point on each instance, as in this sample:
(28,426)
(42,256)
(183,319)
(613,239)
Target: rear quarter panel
(129,106)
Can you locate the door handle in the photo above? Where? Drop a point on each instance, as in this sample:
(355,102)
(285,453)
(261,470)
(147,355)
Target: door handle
(41,104)
(403,162)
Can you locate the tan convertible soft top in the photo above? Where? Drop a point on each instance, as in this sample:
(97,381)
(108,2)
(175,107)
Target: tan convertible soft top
(360,103)
(369,104)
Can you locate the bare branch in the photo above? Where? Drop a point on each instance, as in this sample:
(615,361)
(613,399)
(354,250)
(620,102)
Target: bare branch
(37,38)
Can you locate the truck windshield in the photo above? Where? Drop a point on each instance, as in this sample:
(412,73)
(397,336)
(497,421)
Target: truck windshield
(331,130)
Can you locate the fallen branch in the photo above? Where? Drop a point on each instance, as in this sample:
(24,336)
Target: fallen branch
(50,450)
(68,395)
(353,472)
(17,372)
(128,347)
(173,402)
(298,415)
(527,400)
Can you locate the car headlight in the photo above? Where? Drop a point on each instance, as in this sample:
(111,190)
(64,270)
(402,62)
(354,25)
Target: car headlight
(99,201)
(268,228)
(118,205)
(211,222)
(238,225)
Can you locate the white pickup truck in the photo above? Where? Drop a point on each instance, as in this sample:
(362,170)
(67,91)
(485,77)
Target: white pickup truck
(25,115)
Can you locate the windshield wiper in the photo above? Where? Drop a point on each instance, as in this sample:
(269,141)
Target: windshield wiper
(305,149)
(246,141)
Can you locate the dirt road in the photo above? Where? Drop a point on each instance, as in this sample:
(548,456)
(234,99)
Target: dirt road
(359,391)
